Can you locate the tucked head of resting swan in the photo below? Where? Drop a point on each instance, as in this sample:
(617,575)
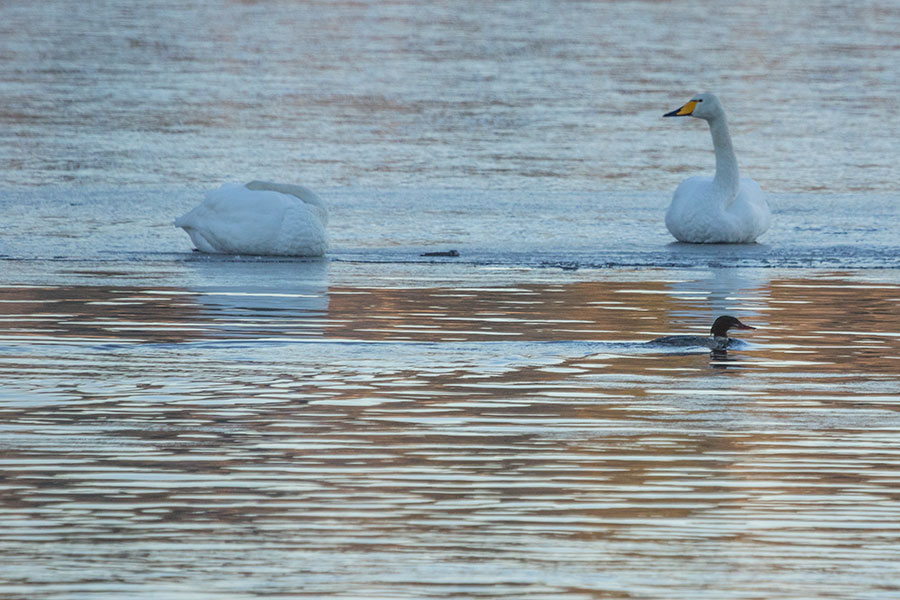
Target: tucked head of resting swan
(259,218)
(720,209)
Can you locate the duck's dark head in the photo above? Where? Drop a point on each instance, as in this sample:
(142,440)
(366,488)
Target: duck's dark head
(724,323)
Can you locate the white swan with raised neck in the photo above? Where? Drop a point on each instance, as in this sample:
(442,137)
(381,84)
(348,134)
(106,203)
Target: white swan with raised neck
(722,209)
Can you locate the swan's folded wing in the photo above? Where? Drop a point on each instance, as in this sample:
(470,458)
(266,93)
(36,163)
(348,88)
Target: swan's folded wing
(235,220)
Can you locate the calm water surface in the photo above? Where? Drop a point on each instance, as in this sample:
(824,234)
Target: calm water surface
(380,424)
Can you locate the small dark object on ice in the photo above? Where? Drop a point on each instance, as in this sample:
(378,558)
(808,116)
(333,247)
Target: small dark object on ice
(443,253)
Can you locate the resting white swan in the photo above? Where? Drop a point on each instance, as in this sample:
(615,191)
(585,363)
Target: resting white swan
(259,218)
(724,208)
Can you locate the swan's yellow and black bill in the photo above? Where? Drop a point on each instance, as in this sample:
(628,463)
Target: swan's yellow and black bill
(684,111)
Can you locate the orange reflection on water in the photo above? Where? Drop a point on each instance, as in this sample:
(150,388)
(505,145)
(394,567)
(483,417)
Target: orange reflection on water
(503,424)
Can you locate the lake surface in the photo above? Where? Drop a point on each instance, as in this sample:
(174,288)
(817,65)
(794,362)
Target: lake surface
(383,424)
(432,438)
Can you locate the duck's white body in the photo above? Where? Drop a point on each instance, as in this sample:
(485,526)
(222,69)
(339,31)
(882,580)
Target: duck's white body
(259,218)
(721,209)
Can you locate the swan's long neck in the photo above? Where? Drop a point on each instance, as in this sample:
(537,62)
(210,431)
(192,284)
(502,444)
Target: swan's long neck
(727,178)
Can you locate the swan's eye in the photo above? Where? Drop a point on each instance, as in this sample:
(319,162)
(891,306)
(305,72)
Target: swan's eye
(699,100)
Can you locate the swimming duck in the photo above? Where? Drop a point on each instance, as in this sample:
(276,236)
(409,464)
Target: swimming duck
(724,208)
(718,335)
(259,217)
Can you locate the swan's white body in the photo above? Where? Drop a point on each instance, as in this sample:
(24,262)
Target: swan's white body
(721,209)
(259,218)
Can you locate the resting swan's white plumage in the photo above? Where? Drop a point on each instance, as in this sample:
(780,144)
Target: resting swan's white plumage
(259,218)
(722,209)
